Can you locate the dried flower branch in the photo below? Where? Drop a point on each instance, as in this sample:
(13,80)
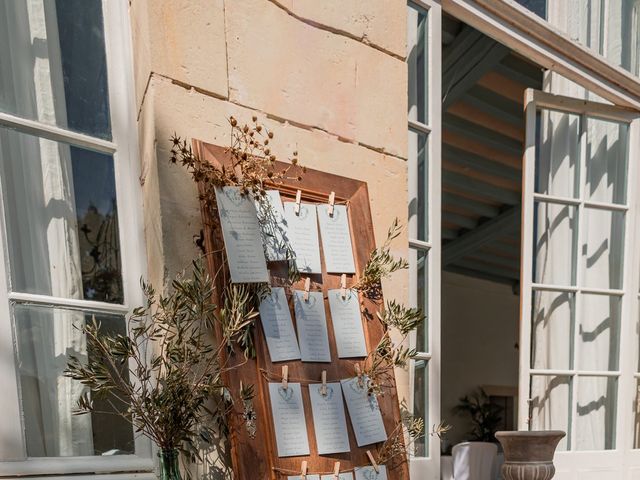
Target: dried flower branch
(253,163)
(395,445)
(381,264)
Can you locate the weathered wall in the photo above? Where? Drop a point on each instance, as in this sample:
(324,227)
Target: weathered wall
(328,77)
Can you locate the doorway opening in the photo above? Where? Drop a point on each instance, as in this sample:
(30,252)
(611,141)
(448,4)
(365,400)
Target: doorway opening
(483,133)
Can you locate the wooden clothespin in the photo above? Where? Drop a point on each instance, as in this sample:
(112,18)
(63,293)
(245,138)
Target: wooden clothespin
(332,203)
(373,461)
(343,285)
(336,470)
(323,387)
(285,377)
(303,470)
(296,208)
(307,287)
(359,374)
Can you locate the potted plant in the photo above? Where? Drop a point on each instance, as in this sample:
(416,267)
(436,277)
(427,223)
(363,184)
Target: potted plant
(484,415)
(165,376)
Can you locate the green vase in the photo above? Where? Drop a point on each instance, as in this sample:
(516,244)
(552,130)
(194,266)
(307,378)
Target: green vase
(169,465)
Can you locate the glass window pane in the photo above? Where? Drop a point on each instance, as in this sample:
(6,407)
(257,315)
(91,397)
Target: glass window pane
(557,154)
(636,420)
(552,330)
(62,219)
(422,334)
(418,63)
(555,240)
(602,253)
(419,187)
(421,404)
(596,413)
(45,337)
(550,405)
(599,333)
(53,64)
(607,153)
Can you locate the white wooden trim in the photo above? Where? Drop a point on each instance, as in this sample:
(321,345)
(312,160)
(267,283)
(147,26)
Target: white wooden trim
(583,107)
(419,244)
(627,373)
(546,198)
(419,127)
(124,149)
(76,465)
(71,303)
(52,132)
(535,39)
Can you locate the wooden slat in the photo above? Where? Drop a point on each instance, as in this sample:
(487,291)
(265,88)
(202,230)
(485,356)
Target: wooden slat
(480,117)
(480,188)
(481,235)
(503,86)
(477,162)
(464,143)
(497,105)
(483,202)
(482,135)
(476,175)
(451,197)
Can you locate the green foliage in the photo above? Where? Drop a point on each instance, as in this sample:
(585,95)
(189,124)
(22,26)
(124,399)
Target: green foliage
(166,376)
(484,415)
(381,264)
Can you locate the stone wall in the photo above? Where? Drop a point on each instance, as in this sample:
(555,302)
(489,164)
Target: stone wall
(328,77)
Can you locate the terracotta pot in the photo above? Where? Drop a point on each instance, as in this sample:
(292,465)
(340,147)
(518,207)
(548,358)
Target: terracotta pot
(529,455)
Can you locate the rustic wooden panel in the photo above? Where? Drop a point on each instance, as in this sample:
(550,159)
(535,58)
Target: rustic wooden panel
(257,458)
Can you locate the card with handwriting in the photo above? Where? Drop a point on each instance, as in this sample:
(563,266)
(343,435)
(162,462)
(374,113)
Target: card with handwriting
(364,412)
(273,226)
(307,477)
(303,236)
(336,239)
(369,473)
(241,233)
(329,420)
(343,476)
(347,323)
(288,419)
(277,326)
(312,327)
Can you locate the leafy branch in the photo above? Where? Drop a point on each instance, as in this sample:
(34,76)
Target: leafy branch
(381,264)
(165,377)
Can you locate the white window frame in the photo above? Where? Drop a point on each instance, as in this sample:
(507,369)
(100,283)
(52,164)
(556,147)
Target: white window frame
(428,467)
(124,148)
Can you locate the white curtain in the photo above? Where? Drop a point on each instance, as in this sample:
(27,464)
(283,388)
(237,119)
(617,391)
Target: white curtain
(593,260)
(42,226)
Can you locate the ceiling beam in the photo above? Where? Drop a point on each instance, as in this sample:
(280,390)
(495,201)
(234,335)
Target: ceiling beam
(481,235)
(465,61)
(481,134)
(496,105)
(480,274)
(480,188)
(479,163)
(478,208)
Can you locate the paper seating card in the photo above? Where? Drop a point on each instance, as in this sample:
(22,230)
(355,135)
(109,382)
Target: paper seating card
(303,236)
(343,476)
(278,327)
(288,420)
(312,327)
(299,477)
(336,239)
(329,420)
(364,412)
(273,226)
(241,232)
(347,324)
(369,473)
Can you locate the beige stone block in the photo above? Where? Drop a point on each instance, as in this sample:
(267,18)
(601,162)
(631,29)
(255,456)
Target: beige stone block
(379,23)
(195,115)
(306,75)
(183,40)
